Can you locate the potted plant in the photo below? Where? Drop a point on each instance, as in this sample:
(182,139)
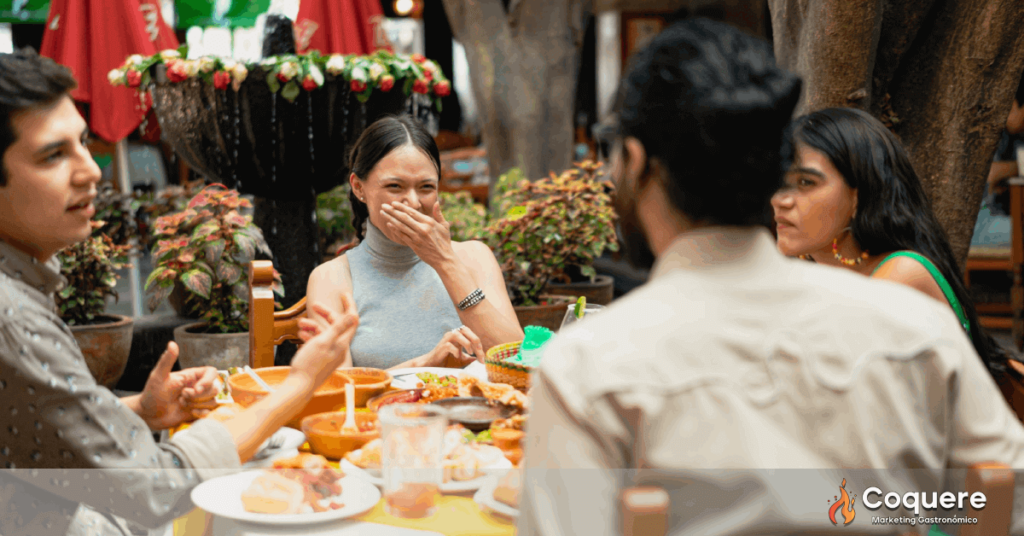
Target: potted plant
(551,232)
(555,227)
(467,217)
(206,248)
(90,269)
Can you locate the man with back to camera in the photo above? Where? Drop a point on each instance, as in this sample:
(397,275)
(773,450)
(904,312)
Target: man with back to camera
(734,360)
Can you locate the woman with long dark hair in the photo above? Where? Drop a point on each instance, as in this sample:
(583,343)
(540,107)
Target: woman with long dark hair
(852,199)
(423,299)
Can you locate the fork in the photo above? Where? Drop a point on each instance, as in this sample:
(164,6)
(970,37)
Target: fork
(275,443)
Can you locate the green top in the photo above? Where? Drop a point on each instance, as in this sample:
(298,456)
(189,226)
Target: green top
(937,275)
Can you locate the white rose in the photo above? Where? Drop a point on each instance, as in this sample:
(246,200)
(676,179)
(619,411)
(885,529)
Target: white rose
(116,77)
(207,65)
(336,64)
(191,68)
(134,59)
(239,72)
(358,73)
(169,54)
(376,70)
(289,69)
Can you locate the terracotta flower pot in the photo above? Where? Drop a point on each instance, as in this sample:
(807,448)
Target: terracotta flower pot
(601,291)
(549,315)
(218,350)
(106,347)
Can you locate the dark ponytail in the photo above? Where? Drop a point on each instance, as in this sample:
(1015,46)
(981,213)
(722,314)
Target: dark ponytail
(376,142)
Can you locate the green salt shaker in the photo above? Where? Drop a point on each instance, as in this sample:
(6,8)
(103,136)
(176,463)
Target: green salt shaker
(533,345)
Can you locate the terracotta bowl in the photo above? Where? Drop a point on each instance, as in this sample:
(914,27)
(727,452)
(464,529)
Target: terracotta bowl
(329,397)
(370,382)
(404,396)
(323,431)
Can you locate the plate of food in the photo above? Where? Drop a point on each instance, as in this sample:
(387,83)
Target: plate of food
(467,462)
(500,495)
(297,491)
(411,378)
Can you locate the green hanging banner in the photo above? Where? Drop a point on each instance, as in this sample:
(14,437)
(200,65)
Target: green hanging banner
(24,11)
(240,13)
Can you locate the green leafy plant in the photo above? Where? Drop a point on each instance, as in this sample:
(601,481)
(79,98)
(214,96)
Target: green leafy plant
(91,268)
(334,216)
(554,225)
(207,247)
(117,211)
(153,205)
(468,218)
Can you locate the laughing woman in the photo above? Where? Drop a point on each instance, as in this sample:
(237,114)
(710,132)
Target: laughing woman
(852,199)
(421,297)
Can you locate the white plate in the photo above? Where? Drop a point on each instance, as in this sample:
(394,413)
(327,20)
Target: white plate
(455,486)
(406,378)
(485,497)
(223,497)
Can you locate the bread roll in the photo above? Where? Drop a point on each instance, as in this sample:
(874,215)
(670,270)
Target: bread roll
(271,493)
(508,488)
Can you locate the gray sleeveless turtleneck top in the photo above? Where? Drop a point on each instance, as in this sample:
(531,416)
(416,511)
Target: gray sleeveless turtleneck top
(404,309)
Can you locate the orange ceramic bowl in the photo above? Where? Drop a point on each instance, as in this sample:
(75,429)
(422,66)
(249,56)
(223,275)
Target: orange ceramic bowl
(329,397)
(370,382)
(323,431)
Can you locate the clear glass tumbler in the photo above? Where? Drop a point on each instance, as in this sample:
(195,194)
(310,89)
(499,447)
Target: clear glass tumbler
(412,453)
(570,313)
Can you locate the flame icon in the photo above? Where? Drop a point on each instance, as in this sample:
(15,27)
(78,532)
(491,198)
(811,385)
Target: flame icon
(846,503)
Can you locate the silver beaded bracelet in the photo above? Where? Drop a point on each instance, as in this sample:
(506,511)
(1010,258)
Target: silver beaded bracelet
(474,298)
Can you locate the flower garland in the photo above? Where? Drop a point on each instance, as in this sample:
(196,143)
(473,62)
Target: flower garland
(290,74)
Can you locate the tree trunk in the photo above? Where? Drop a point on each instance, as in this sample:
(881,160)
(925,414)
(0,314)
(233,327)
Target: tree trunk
(523,66)
(941,72)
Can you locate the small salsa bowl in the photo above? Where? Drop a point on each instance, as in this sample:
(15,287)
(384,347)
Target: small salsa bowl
(323,431)
(405,396)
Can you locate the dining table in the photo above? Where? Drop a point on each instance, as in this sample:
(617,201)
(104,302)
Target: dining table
(457,514)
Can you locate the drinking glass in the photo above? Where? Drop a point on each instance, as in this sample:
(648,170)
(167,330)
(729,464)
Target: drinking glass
(412,453)
(570,313)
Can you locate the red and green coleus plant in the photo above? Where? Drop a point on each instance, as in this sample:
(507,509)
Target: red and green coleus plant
(291,73)
(558,223)
(207,248)
(90,268)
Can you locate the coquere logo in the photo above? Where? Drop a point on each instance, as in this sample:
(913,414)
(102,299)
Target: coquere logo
(844,505)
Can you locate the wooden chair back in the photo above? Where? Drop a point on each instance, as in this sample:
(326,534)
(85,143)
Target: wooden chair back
(269,328)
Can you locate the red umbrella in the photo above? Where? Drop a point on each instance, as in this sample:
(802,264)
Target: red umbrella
(340,26)
(122,28)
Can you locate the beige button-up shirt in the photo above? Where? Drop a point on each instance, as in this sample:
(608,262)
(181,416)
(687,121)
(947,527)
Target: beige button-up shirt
(748,386)
(66,441)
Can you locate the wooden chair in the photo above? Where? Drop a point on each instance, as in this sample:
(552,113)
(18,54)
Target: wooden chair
(1004,315)
(269,328)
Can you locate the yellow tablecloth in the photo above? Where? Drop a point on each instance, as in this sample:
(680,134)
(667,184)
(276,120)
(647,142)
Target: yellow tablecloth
(455,516)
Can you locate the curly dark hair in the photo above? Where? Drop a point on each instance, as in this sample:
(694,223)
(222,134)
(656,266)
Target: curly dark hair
(708,102)
(893,210)
(27,80)
(376,142)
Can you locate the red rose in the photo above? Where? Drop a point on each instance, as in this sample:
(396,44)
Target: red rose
(133,77)
(386,83)
(418,58)
(221,80)
(420,86)
(442,88)
(284,79)
(309,84)
(176,71)
(358,86)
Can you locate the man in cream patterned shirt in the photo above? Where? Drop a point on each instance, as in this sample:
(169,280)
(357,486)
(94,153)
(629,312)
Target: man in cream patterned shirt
(748,386)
